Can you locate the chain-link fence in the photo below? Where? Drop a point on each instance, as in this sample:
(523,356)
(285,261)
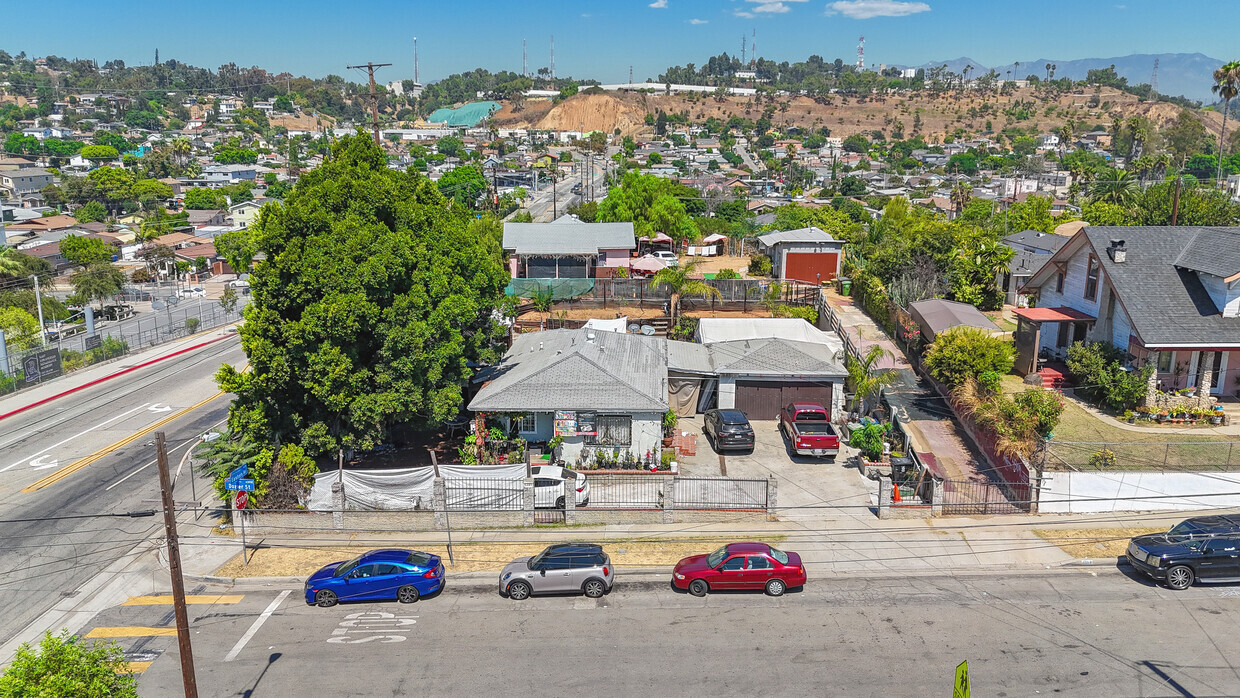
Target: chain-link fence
(1221,454)
(69,353)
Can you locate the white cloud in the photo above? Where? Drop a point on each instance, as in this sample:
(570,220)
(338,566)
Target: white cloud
(659,4)
(742,13)
(698,21)
(772,8)
(867,9)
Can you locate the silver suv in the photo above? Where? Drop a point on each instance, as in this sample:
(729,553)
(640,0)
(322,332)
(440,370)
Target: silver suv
(565,567)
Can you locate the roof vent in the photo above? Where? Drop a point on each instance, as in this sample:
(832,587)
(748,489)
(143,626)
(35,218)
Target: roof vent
(590,337)
(1117,251)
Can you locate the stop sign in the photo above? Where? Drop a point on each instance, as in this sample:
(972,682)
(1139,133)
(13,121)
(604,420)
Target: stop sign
(243,498)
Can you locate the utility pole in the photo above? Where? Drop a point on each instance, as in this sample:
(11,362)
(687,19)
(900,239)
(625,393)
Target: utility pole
(525,64)
(552,67)
(38,302)
(174,566)
(555,211)
(374,96)
(1175,204)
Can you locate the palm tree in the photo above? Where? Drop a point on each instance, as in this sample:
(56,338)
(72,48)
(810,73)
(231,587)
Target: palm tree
(1226,84)
(9,264)
(962,193)
(678,280)
(1116,187)
(865,377)
(181,149)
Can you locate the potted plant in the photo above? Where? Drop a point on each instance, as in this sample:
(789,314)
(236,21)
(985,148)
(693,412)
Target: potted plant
(1143,412)
(553,446)
(1130,416)
(1216,417)
(670,420)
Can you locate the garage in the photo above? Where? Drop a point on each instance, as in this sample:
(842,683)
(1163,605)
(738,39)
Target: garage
(811,267)
(764,399)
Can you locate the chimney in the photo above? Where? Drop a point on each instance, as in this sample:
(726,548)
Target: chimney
(1117,251)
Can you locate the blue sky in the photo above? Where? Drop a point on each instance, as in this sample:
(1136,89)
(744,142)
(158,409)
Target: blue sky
(602,39)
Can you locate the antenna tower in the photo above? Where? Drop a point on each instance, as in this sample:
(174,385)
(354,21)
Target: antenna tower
(1154,78)
(416,81)
(753,47)
(156,56)
(861,53)
(553,61)
(743,39)
(525,66)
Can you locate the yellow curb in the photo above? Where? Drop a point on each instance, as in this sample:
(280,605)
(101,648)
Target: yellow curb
(202,599)
(132,631)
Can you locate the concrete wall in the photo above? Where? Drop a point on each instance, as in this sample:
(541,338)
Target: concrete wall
(1089,492)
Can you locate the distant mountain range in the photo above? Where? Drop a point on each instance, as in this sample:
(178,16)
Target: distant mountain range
(1179,74)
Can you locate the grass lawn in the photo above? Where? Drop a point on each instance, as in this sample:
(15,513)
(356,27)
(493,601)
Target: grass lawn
(1134,450)
(1093,542)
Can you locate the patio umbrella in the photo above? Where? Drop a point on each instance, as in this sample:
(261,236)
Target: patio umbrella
(647,264)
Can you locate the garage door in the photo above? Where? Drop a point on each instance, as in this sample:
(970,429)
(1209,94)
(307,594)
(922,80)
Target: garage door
(805,266)
(764,399)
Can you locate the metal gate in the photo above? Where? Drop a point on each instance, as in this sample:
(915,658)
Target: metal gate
(970,497)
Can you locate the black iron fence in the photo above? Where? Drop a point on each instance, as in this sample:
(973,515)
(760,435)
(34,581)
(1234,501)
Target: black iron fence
(973,497)
(719,493)
(626,492)
(484,494)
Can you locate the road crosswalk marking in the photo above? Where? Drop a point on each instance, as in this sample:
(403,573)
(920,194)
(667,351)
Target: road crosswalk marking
(190,599)
(131,631)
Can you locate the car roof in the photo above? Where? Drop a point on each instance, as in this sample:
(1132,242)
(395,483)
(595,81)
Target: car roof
(733,416)
(386,555)
(748,548)
(1213,522)
(574,549)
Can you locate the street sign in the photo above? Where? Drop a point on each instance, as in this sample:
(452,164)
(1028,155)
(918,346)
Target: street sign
(242,500)
(239,473)
(239,485)
(961,689)
(94,342)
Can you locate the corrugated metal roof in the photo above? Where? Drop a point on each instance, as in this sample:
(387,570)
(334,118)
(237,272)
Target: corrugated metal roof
(567,237)
(810,234)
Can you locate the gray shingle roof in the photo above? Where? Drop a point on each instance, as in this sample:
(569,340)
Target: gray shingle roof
(810,234)
(936,315)
(1167,304)
(563,370)
(1037,239)
(688,357)
(774,357)
(1214,251)
(567,238)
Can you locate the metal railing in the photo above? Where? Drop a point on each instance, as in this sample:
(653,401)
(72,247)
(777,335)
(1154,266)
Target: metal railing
(484,494)
(626,491)
(719,493)
(971,497)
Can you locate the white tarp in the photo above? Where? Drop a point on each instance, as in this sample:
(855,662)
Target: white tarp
(409,489)
(618,325)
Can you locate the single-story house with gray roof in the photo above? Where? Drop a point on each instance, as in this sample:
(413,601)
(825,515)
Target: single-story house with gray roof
(566,248)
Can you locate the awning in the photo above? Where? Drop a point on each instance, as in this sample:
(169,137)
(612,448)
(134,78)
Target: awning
(1041,315)
(648,263)
(713,237)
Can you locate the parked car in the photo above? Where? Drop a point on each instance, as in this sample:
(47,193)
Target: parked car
(668,258)
(1179,563)
(740,566)
(728,429)
(404,575)
(564,567)
(809,430)
(193,293)
(549,486)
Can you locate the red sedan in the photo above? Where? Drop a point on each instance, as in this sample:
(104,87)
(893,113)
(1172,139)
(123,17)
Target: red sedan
(740,566)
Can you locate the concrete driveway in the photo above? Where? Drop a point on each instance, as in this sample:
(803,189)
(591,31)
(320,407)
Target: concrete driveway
(808,487)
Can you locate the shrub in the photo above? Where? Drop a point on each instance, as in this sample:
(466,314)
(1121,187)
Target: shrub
(141,276)
(1102,459)
(732,273)
(759,265)
(1040,409)
(192,323)
(967,352)
(869,440)
(805,312)
(1098,371)
(65,665)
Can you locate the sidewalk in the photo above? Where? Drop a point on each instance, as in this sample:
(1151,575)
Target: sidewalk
(85,377)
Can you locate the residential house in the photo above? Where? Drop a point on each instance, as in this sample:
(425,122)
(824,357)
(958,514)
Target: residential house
(201,219)
(1169,297)
(1032,248)
(45,132)
(26,180)
(806,254)
(243,214)
(217,175)
(43,224)
(566,248)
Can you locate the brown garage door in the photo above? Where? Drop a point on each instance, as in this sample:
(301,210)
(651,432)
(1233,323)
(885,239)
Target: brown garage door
(764,399)
(806,266)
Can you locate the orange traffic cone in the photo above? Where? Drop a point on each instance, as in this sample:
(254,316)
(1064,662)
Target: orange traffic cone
(895,493)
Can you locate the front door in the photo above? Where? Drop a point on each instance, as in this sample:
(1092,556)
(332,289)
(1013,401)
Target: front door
(731,573)
(362,582)
(1221,559)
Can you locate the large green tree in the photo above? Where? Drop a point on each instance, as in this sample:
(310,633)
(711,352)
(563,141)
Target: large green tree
(651,204)
(373,298)
(83,251)
(99,281)
(65,665)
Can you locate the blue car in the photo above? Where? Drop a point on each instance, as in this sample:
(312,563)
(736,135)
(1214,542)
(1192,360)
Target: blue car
(404,575)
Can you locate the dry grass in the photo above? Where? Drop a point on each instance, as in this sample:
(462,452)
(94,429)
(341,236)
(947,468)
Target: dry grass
(1093,542)
(470,557)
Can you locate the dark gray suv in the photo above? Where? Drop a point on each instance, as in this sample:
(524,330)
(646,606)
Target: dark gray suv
(562,568)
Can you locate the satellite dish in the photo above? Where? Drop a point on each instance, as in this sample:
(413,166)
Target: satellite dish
(634,328)
(157,305)
(648,330)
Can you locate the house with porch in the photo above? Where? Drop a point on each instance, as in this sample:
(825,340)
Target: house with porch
(566,248)
(1169,297)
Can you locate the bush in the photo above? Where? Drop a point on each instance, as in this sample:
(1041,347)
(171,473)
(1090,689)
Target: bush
(869,440)
(1040,410)
(967,352)
(65,665)
(732,273)
(110,348)
(759,265)
(192,323)
(1098,371)
(142,276)
(805,312)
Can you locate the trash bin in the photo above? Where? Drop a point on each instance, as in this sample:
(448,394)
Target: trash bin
(845,286)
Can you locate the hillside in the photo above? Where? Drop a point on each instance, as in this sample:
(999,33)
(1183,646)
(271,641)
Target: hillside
(940,115)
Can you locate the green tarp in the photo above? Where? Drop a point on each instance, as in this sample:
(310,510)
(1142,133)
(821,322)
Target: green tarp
(467,115)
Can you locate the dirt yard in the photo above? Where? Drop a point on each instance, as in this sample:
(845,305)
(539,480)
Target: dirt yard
(1093,542)
(470,557)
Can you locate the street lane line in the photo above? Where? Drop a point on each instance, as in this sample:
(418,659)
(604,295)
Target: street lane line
(133,667)
(82,463)
(190,599)
(171,451)
(77,435)
(132,631)
(258,623)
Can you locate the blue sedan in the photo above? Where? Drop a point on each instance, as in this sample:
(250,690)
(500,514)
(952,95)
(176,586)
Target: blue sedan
(404,575)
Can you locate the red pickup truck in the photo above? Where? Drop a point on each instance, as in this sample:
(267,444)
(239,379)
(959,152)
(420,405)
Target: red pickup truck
(809,430)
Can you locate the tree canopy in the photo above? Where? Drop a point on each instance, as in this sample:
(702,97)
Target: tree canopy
(64,665)
(373,297)
(651,203)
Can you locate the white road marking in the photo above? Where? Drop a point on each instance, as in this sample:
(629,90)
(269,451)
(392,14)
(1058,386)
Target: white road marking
(159,408)
(258,623)
(39,464)
(71,438)
(172,450)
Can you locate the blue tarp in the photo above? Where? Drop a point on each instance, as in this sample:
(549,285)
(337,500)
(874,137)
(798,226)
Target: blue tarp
(466,115)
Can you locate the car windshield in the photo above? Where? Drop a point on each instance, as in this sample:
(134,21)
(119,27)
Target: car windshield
(779,555)
(418,559)
(346,567)
(717,557)
(1185,530)
(532,563)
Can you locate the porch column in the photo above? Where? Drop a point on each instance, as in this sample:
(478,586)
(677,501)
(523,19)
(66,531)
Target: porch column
(1205,381)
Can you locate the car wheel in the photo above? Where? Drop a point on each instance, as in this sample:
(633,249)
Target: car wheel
(518,591)
(595,589)
(407,594)
(775,587)
(698,587)
(559,503)
(326,598)
(1180,577)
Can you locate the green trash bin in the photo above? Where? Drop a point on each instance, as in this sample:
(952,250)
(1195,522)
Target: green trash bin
(846,286)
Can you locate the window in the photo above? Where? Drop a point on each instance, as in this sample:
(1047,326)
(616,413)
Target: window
(759,562)
(527,424)
(611,430)
(736,563)
(1091,279)
(1164,361)
(779,555)
(1059,282)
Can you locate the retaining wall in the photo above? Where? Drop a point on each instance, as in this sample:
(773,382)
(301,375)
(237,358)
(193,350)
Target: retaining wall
(1092,491)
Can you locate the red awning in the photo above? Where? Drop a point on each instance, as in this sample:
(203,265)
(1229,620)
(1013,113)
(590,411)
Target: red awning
(1052,314)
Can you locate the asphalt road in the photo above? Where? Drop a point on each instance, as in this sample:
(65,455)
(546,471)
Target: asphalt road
(1064,633)
(55,461)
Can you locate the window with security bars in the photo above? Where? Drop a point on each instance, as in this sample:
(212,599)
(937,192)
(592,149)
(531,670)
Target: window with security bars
(611,430)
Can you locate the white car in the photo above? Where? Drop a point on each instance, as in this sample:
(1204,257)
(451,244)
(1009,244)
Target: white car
(668,258)
(193,293)
(549,486)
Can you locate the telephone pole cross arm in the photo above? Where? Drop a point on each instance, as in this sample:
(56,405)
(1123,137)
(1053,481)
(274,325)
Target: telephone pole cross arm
(374,96)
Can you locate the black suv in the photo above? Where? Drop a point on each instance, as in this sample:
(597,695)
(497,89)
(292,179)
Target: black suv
(1205,548)
(728,429)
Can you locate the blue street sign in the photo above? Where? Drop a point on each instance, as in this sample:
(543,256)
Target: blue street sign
(239,473)
(239,485)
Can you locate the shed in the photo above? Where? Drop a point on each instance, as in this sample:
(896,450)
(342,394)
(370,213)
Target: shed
(806,254)
(935,316)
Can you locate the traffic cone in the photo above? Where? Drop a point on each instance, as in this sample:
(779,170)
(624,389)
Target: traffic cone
(895,493)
